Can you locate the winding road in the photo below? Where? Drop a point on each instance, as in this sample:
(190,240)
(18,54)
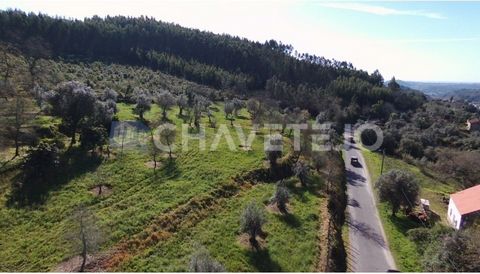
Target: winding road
(368,249)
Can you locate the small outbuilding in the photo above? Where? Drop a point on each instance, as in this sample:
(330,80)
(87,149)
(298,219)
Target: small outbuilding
(464,207)
(473,124)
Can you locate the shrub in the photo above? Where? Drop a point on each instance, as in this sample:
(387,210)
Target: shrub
(201,261)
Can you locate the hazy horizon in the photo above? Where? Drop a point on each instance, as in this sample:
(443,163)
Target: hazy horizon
(370,35)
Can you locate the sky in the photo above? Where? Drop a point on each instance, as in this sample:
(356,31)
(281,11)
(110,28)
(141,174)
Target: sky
(421,41)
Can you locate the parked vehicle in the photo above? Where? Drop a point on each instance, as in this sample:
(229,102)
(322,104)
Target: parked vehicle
(354,161)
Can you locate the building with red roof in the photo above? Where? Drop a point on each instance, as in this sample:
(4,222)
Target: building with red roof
(473,124)
(464,207)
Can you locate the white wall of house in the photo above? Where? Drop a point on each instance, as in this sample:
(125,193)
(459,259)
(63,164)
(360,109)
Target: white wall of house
(454,216)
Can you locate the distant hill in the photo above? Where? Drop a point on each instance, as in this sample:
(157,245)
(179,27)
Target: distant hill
(459,91)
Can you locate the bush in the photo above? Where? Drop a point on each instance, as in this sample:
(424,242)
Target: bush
(201,261)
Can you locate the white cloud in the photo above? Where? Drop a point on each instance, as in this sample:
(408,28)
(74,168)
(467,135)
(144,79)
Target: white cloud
(379,10)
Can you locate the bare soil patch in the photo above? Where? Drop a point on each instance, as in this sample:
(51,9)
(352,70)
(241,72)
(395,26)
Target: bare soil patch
(72,265)
(273,208)
(166,156)
(151,164)
(244,241)
(245,148)
(101,190)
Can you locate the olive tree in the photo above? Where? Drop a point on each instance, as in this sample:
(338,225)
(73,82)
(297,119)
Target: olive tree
(272,151)
(93,137)
(398,188)
(182,103)
(167,137)
(109,97)
(229,109)
(143,103)
(254,108)
(281,196)
(301,170)
(319,161)
(237,106)
(75,103)
(196,115)
(165,101)
(252,220)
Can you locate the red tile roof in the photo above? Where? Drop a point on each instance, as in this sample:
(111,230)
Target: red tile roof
(474,121)
(468,200)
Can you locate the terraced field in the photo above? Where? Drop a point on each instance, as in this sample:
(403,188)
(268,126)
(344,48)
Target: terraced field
(152,219)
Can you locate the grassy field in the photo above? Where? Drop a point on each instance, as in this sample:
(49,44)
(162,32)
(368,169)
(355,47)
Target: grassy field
(290,244)
(404,251)
(37,240)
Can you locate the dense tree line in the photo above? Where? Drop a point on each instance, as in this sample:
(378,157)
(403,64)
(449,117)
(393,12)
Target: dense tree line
(204,57)
(435,124)
(345,99)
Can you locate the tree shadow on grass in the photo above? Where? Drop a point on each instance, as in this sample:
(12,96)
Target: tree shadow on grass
(241,117)
(314,186)
(185,118)
(262,261)
(170,169)
(290,219)
(73,163)
(403,224)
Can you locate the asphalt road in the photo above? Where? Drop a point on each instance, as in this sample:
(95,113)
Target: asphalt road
(368,250)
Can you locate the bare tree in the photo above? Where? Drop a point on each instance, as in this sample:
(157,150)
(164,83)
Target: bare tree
(211,118)
(86,236)
(36,48)
(20,119)
(154,151)
(7,67)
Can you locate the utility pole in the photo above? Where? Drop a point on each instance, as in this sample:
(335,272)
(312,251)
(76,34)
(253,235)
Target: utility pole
(383,161)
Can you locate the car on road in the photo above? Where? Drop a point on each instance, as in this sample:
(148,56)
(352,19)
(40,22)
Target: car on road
(351,140)
(354,161)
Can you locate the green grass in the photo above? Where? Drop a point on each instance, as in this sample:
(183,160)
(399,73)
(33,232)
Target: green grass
(405,251)
(36,236)
(290,244)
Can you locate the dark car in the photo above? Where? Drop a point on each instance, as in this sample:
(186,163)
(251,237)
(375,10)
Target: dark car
(354,161)
(351,140)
